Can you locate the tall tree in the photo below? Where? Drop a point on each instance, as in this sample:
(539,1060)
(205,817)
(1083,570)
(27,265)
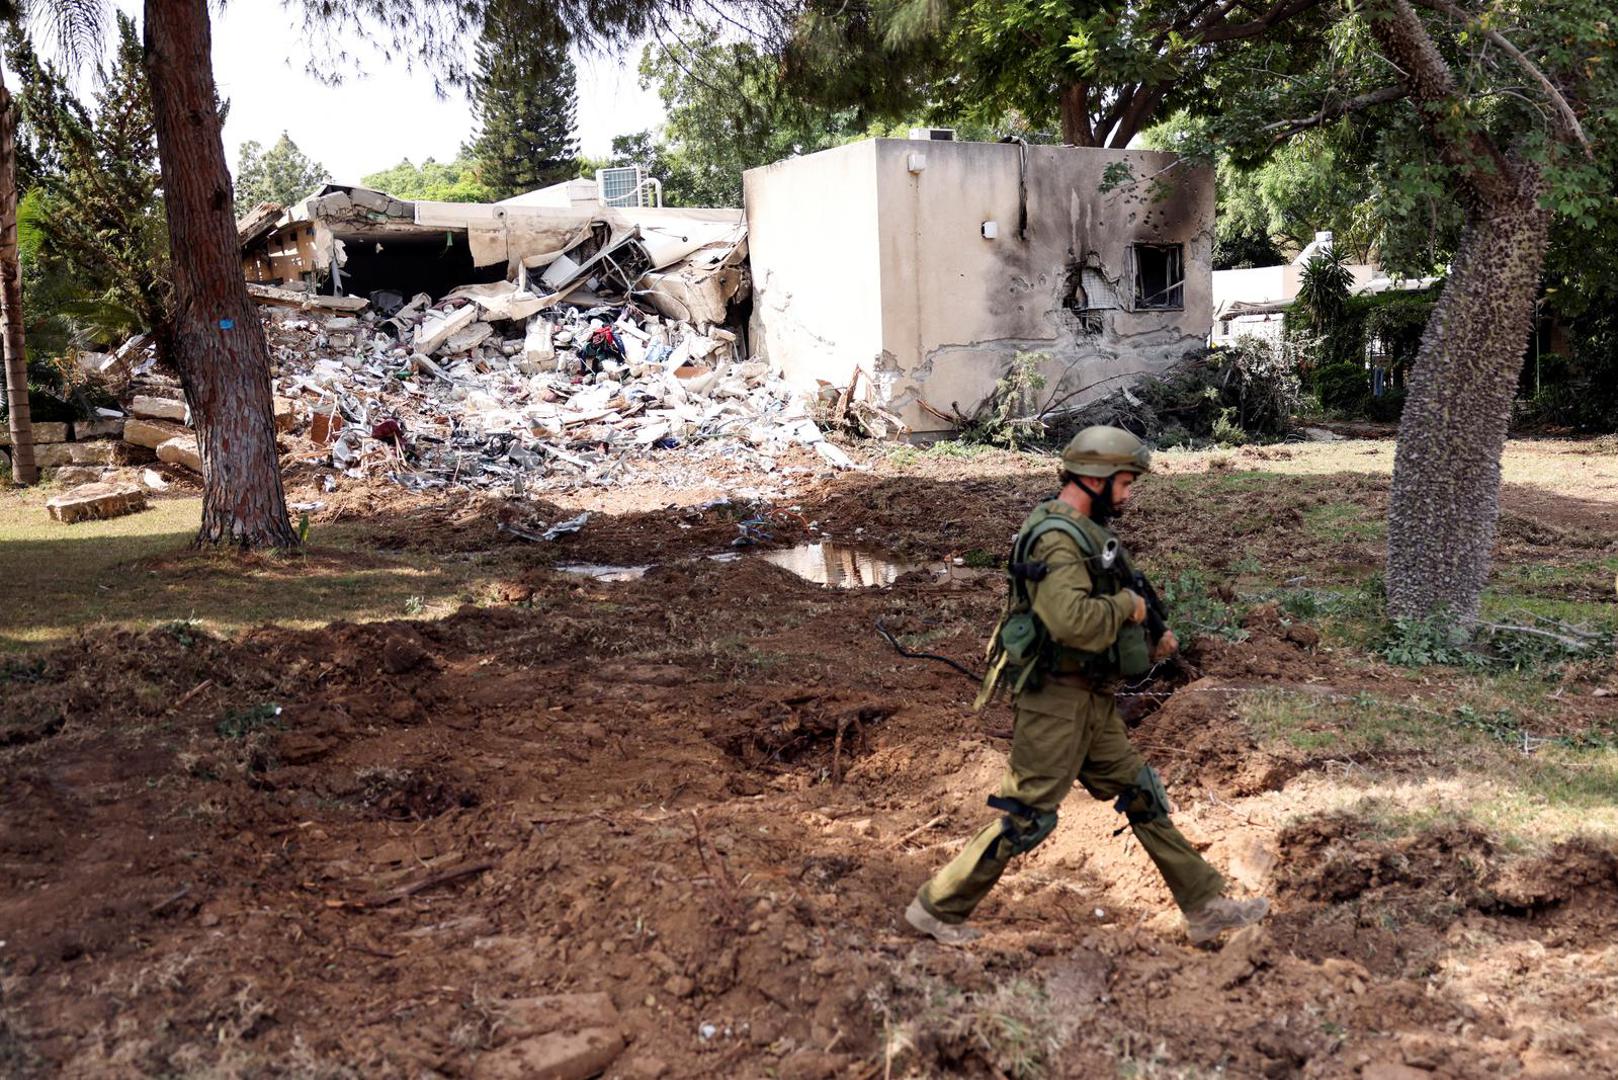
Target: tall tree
(102,227)
(728,110)
(78,27)
(282,174)
(526,95)
(1511,174)
(215,336)
(19,420)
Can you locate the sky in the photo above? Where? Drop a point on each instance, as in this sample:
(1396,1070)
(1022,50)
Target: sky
(373,121)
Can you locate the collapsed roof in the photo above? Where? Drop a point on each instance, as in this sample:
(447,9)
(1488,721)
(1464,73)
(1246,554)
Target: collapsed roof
(689,264)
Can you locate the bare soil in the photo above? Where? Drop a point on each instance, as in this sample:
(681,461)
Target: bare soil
(710,792)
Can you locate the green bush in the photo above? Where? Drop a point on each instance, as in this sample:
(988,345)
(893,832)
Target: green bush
(1342,387)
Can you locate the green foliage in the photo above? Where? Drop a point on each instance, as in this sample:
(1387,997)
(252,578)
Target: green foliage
(282,174)
(526,94)
(1535,646)
(1012,415)
(1195,611)
(1342,388)
(93,236)
(728,110)
(453,181)
(1237,394)
(1421,642)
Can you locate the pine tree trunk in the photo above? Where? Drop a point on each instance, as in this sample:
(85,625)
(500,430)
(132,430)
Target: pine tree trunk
(1445,501)
(216,338)
(23,469)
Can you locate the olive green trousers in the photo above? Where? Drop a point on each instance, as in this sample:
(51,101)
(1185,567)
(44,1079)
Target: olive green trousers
(1065,734)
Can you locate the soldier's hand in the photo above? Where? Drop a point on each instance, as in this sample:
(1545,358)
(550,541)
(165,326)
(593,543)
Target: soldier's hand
(1167,646)
(1139,614)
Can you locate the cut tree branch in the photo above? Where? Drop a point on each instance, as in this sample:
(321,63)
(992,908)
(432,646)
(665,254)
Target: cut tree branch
(1285,129)
(1570,119)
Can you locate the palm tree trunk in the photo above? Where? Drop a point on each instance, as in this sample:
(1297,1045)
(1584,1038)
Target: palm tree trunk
(23,469)
(216,337)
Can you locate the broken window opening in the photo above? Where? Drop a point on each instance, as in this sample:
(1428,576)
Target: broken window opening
(1089,294)
(1159,276)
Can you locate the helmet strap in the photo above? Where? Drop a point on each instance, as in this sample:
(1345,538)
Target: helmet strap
(1102,508)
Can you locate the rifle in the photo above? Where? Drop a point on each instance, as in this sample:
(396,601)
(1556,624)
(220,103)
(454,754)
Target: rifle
(1157,623)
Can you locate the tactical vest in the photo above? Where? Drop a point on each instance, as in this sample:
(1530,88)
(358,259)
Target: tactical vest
(1021,652)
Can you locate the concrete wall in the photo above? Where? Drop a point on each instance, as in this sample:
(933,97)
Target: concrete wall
(859,258)
(813,244)
(959,307)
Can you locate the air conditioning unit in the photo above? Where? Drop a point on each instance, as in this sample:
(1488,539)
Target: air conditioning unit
(628,186)
(933,134)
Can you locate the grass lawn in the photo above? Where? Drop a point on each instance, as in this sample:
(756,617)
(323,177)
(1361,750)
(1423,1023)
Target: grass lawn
(139,571)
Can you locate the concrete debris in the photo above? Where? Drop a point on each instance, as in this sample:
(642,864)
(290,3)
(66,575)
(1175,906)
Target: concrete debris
(485,389)
(90,502)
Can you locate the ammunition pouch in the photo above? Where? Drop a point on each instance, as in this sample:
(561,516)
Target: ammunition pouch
(1134,654)
(1021,652)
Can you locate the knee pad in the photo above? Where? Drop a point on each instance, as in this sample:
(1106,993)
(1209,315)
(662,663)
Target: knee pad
(1023,828)
(1146,801)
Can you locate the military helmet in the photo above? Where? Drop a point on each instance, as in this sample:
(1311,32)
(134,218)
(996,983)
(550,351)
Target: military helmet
(1102,451)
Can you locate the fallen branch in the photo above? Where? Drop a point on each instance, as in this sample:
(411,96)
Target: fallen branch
(917,831)
(431,881)
(1573,644)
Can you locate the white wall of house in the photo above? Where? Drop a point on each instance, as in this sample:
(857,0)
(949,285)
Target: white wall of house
(909,260)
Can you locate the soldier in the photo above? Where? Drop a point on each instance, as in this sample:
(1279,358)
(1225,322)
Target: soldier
(1072,630)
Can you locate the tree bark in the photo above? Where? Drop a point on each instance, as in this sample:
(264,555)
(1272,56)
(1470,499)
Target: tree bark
(1445,500)
(23,469)
(215,336)
(1075,109)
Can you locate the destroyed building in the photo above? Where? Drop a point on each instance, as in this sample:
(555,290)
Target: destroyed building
(688,264)
(929,265)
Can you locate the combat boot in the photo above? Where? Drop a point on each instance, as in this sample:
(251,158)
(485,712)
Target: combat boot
(940,931)
(1220,914)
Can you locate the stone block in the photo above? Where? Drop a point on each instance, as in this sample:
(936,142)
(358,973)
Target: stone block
(156,408)
(43,433)
(73,475)
(89,502)
(53,455)
(181,451)
(150,433)
(98,429)
(94,453)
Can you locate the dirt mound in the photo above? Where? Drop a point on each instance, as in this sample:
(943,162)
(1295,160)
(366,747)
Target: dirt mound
(1330,860)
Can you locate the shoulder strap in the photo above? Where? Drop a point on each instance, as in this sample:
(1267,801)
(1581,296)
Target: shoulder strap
(1055,523)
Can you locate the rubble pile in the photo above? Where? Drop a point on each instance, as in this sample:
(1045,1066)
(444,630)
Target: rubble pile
(482,389)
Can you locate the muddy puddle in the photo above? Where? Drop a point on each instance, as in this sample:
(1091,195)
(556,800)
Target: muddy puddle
(838,566)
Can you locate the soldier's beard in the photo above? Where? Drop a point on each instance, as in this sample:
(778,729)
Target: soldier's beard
(1102,508)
